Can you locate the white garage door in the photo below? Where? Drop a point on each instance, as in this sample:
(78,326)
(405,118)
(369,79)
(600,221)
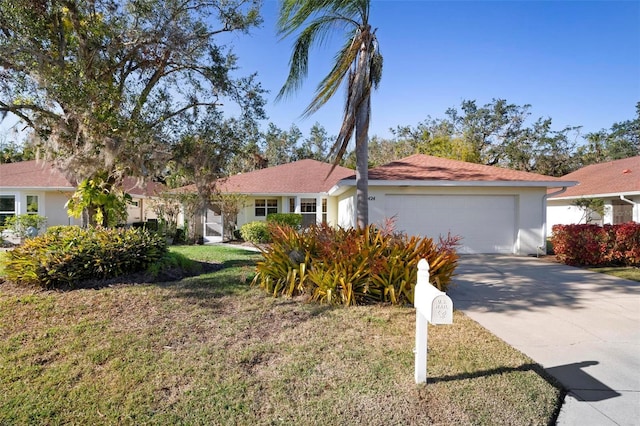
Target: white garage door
(485,223)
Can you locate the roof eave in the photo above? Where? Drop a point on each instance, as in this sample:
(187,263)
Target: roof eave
(37,188)
(604,195)
(345,184)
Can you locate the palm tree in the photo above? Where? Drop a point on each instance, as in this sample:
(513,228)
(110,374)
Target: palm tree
(358,64)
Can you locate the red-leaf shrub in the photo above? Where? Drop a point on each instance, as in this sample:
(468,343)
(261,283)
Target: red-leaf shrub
(594,245)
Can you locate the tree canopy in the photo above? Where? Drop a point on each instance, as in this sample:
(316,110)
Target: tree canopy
(113,86)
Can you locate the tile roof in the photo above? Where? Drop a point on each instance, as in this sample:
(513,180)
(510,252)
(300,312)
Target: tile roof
(611,177)
(428,168)
(303,177)
(43,175)
(32,174)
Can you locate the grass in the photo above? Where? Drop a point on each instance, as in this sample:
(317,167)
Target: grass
(629,272)
(213,350)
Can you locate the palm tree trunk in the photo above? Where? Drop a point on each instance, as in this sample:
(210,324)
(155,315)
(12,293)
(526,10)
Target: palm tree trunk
(362,164)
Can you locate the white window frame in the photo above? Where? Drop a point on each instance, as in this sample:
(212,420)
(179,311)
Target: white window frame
(270,205)
(16,201)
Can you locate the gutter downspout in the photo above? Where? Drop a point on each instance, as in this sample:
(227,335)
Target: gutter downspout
(633,203)
(543,247)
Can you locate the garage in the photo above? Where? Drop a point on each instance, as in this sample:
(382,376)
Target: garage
(486,223)
(494,210)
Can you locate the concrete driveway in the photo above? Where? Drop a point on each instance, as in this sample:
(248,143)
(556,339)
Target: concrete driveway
(582,327)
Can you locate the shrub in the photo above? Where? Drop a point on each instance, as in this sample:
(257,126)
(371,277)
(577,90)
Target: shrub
(66,255)
(594,245)
(255,232)
(293,220)
(21,223)
(354,266)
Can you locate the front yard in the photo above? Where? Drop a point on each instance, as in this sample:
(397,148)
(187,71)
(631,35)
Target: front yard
(213,350)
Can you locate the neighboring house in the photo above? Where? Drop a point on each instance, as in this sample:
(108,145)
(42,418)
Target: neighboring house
(617,183)
(39,188)
(494,210)
(299,187)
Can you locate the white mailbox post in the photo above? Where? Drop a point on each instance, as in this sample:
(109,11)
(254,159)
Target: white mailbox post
(431,305)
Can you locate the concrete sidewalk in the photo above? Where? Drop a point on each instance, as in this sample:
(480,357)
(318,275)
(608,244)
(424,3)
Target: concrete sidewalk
(582,327)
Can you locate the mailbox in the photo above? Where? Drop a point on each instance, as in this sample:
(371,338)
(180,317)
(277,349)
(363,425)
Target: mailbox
(434,304)
(431,305)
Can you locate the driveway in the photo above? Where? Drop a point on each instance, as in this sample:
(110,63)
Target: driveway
(582,327)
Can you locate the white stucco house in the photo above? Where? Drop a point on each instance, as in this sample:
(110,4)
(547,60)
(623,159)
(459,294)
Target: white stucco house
(617,183)
(36,187)
(494,210)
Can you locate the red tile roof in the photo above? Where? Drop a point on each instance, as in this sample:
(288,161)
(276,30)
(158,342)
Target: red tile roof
(304,176)
(426,167)
(43,175)
(612,177)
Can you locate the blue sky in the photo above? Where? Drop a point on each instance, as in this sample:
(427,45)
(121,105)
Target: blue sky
(577,62)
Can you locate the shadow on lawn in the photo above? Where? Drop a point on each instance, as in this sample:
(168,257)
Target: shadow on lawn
(563,377)
(215,280)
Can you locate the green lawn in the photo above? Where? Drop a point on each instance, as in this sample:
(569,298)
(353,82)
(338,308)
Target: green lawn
(213,350)
(629,273)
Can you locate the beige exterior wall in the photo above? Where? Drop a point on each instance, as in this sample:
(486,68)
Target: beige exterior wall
(55,210)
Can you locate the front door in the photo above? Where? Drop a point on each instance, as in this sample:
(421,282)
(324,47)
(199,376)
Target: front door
(213,225)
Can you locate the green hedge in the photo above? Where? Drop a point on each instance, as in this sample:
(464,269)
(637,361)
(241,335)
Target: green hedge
(66,255)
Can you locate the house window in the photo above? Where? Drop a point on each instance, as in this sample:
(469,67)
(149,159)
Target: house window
(7,207)
(292,205)
(266,207)
(324,210)
(308,210)
(32,204)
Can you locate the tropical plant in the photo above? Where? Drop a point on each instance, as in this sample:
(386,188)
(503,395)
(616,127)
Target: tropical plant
(374,265)
(358,64)
(67,255)
(105,203)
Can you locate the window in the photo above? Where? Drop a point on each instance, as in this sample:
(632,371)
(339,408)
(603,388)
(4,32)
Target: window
(324,210)
(7,207)
(292,205)
(266,207)
(32,204)
(308,210)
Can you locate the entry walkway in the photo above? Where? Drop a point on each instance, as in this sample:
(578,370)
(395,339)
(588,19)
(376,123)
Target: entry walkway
(582,327)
